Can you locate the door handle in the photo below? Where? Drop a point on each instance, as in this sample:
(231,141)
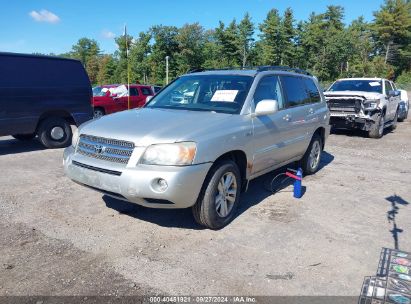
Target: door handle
(311,111)
(287,117)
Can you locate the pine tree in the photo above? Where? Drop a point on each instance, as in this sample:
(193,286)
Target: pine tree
(245,38)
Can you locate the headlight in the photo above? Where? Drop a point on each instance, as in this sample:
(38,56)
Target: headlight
(177,154)
(74,139)
(371,104)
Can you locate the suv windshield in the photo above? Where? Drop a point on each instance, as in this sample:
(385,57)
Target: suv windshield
(219,93)
(357,85)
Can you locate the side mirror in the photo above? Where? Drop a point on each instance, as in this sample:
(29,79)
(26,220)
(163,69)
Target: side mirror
(148,98)
(266,107)
(394,93)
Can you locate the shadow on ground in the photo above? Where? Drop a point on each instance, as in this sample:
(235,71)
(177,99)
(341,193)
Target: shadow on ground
(10,145)
(395,201)
(258,190)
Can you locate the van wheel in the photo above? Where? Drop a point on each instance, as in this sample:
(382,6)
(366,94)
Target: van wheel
(377,129)
(55,132)
(98,112)
(219,198)
(24,136)
(311,159)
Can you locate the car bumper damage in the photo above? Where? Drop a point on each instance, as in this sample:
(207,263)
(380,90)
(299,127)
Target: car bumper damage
(147,185)
(347,112)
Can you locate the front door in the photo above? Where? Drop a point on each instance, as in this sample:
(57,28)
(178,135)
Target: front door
(270,132)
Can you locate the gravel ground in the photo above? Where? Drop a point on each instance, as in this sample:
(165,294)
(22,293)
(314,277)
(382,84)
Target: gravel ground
(58,238)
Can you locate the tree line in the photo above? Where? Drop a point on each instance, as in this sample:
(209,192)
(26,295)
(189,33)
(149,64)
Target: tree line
(322,44)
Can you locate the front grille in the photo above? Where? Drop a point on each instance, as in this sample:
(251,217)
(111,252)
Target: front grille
(111,150)
(344,105)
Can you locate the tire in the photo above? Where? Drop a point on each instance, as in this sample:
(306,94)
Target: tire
(55,132)
(98,112)
(24,137)
(209,209)
(395,121)
(312,157)
(377,129)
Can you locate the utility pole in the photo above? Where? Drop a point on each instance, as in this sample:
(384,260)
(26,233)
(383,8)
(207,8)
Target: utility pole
(167,57)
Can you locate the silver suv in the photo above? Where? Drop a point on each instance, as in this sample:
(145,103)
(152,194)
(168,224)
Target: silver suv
(202,138)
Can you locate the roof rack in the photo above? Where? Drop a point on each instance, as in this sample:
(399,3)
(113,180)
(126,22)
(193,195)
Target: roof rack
(257,68)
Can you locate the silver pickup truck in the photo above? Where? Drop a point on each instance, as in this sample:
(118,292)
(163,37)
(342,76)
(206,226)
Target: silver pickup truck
(369,104)
(200,150)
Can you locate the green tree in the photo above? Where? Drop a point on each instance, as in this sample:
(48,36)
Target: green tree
(165,44)
(287,36)
(392,26)
(245,38)
(271,38)
(228,40)
(139,58)
(191,40)
(107,69)
(85,49)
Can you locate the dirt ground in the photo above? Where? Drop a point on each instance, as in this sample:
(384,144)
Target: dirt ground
(58,238)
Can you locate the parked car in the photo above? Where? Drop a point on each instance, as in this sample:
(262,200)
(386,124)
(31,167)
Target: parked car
(104,102)
(43,95)
(369,104)
(404,106)
(238,125)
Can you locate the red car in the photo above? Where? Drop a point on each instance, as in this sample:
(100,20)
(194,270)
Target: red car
(105,102)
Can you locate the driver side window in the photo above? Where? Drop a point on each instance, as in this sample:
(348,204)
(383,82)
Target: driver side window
(269,88)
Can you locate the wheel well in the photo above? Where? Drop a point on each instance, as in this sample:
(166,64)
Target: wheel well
(100,108)
(321,132)
(59,113)
(240,158)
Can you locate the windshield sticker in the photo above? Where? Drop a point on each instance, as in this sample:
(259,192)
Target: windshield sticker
(224,95)
(374,84)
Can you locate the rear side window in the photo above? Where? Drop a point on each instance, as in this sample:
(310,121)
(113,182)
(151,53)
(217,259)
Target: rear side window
(133,92)
(146,91)
(312,90)
(269,88)
(295,91)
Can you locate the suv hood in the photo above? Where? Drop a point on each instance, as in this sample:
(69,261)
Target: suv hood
(365,95)
(146,126)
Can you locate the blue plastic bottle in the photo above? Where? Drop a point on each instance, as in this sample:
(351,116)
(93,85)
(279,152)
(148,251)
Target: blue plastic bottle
(298,184)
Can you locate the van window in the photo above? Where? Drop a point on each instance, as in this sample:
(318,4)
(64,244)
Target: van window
(295,91)
(145,91)
(312,90)
(269,88)
(133,92)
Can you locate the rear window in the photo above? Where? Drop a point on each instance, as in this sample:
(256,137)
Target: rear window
(20,71)
(295,91)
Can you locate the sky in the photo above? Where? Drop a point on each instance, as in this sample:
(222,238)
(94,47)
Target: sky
(51,26)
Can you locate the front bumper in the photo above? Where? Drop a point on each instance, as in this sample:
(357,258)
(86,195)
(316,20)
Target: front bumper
(351,121)
(135,183)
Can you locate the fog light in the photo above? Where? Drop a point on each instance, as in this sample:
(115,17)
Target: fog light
(160,185)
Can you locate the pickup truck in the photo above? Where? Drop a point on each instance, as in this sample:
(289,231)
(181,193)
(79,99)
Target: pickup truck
(369,104)
(105,102)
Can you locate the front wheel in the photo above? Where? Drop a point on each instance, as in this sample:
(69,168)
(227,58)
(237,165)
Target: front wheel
(377,129)
(219,197)
(311,159)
